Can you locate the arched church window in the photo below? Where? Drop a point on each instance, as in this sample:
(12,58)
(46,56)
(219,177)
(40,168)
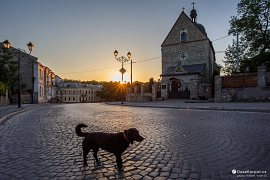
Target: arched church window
(183,35)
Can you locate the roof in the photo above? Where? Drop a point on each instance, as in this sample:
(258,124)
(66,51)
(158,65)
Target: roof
(194,24)
(185,69)
(201,28)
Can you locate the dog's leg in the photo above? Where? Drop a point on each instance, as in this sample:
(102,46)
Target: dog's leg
(86,150)
(95,151)
(119,161)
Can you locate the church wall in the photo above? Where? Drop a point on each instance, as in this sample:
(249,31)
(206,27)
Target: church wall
(192,82)
(197,53)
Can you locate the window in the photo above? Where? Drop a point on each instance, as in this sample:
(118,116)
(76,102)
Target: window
(40,91)
(163,87)
(183,35)
(183,56)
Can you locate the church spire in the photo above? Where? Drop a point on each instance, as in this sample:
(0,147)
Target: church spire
(193,14)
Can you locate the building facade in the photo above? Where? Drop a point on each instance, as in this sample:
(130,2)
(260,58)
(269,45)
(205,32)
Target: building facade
(44,83)
(77,93)
(188,60)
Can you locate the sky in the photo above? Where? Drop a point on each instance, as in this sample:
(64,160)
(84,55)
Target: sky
(76,38)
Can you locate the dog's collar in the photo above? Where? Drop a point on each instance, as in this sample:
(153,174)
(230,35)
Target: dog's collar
(126,138)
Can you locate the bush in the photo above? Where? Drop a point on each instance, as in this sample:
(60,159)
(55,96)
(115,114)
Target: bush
(3,88)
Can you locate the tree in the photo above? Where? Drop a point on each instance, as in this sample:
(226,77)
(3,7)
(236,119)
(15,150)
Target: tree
(151,82)
(3,88)
(232,55)
(8,69)
(252,26)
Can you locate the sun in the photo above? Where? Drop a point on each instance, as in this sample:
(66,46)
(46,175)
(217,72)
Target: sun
(117,77)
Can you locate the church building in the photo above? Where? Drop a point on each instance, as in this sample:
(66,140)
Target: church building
(188,61)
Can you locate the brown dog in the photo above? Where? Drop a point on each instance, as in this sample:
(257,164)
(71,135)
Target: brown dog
(115,143)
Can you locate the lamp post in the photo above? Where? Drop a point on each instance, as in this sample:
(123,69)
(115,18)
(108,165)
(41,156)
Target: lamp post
(18,53)
(122,59)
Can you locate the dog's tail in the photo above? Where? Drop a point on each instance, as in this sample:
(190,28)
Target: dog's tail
(78,130)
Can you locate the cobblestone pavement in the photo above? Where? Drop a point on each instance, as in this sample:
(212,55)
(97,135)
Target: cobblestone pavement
(180,144)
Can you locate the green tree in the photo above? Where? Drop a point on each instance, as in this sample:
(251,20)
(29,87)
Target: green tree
(252,25)
(8,69)
(3,88)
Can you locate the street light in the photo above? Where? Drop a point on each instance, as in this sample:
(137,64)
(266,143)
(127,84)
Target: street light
(30,47)
(129,57)
(122,59)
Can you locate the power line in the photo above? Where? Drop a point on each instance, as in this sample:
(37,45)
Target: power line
(221,38)
(147,59)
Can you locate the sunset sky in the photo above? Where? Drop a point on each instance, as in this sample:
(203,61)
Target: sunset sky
(77,38)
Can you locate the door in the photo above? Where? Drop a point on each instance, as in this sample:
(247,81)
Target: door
(174,89)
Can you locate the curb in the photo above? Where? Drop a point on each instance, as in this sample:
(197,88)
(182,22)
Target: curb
(8,116)
(198,108)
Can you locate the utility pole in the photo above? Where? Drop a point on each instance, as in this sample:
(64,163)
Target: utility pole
(237,52)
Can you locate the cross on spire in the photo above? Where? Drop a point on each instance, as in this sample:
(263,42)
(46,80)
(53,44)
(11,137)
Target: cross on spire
(183,8)
(193,4)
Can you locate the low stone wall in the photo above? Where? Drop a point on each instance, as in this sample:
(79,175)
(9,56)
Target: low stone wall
(245,94)
(142,97)
(142,94)
(26,98)
(4,100)
(243,87)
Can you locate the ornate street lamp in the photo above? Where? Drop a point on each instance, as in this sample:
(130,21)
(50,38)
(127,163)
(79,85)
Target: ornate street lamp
(122,59)
(18,53)
(30,47)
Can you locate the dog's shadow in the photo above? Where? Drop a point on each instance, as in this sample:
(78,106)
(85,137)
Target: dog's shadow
(99,166)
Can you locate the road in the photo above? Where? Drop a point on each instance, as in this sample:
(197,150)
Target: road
(179,144)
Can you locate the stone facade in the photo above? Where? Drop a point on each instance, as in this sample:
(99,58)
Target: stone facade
(188,61)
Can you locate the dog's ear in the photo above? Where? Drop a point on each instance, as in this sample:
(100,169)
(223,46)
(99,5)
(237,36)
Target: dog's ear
(125,131)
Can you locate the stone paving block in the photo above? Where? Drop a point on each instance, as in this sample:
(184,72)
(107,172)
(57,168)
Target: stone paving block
(174,175)
(165,174)
(183,175)
(153,174)
(176,170)
(160,178)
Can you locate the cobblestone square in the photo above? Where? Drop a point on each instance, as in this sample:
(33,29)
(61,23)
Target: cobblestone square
(179,144)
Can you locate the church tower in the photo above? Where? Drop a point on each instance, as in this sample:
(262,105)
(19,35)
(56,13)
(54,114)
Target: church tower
(188,60)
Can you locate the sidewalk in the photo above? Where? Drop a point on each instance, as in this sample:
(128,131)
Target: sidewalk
(10,110)
(181,104)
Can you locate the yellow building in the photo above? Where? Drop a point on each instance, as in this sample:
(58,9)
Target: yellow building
(77,93)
